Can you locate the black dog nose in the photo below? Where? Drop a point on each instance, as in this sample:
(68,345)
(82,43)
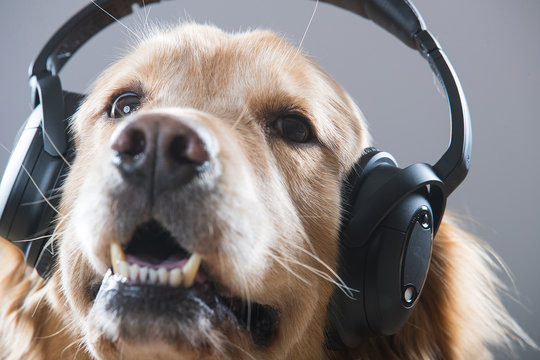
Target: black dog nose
(161,150)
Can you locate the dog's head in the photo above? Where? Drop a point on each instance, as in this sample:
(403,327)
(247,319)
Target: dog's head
(207,176)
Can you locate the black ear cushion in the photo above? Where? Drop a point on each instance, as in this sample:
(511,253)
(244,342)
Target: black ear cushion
(382,189)
(370,159)
(31,187)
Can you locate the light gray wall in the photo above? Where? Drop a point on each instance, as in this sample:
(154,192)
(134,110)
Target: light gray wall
(494,46)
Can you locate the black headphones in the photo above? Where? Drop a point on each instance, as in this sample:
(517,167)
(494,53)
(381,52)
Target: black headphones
(390,215)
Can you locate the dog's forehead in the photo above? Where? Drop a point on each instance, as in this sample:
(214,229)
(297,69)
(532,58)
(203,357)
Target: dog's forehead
(198,61)
(205,68)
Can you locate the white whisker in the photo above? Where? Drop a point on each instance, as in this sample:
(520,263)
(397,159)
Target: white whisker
(53,197)
(44,197)
(79,348)
(346,290)
(56,233)
(32,239)
(308,25)
(80,343)
(43,294)
(143,18)
(39,190)
(69,324)
(57,151)
(280,260)
(338,281)
(147,14)
(118,21)
(5,148)
(240,348)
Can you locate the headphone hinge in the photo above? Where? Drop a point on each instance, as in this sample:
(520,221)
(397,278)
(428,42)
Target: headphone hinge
(47,91)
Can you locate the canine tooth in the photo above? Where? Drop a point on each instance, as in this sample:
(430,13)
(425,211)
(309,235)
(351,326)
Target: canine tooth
(143,274)
(123,269)
(163,275)
(116,255)
(190,269)
(152,276)
(133,272)
(175,277)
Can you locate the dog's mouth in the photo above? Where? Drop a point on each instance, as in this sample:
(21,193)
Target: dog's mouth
(158,286)
(154,257)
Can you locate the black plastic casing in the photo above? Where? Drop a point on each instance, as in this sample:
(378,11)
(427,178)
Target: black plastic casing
(376,270)
(26,218)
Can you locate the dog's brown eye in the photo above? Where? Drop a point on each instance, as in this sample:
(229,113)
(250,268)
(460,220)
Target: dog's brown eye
(294,129)
(124,105)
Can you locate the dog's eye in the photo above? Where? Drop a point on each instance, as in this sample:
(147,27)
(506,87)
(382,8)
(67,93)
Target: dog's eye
(294,129)
(124,105)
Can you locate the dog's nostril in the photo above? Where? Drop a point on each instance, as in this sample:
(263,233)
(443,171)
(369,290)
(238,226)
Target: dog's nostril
(178,148)
(188,148)
(131,142)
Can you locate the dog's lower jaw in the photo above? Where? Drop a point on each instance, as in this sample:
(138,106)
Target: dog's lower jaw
(104,337)
(195,317)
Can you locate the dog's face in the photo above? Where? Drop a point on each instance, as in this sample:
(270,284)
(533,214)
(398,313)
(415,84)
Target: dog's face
(201,215)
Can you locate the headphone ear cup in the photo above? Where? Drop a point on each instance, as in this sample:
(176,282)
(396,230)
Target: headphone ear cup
(30,189)
(33,174)
(385,247)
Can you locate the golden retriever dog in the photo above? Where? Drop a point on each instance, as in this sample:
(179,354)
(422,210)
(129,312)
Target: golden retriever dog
(200,219)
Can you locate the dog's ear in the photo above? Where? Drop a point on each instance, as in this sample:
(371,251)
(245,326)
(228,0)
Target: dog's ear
(13,265)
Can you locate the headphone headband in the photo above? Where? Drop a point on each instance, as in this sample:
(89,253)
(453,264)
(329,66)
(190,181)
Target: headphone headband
(402,19)
(399,17)
(77,31)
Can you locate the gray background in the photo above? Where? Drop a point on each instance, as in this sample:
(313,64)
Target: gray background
(493,45)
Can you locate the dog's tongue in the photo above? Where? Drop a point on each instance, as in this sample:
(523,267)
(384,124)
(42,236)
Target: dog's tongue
(172,262)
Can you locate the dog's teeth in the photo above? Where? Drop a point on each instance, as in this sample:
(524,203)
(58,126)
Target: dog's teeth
(123,269)
(134,272)
(143,274)
(117,255)
(152,276)
(175,277)
(184,276)
(190,269)
(163,276)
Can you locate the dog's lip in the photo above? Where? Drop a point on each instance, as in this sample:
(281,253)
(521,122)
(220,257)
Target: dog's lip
(125,299)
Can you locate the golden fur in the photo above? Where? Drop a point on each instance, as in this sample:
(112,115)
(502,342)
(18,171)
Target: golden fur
(267,231)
